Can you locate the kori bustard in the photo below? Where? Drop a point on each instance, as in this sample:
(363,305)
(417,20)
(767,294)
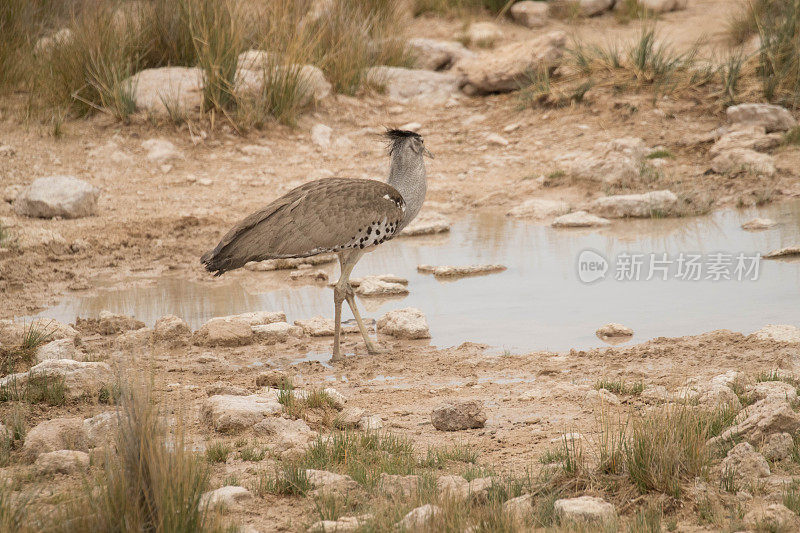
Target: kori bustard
(347,216)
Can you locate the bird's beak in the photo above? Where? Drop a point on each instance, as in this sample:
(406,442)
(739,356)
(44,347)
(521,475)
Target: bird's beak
(427,152)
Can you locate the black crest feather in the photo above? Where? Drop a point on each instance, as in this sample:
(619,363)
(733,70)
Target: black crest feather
(396,137)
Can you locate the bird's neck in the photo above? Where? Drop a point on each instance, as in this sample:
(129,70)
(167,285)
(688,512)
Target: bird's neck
(407,176)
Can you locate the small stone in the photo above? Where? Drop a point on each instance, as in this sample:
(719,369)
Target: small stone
(777,447)
(602,396)
(81,379)
(431,54)
(100,428)
(53,435)
(330,481)
(614,330)
(57,196)
(61,462)
(255,150)
(223,332)
(496,139)
(585,509)
(408,323)
(458,415)
(448,271)
(321,135)
(350,417)
(426,224)
(161,151)
(399,486)
(579,219)
(529,13)
(110,323)
(568,438)
(773,517)
(371,286)
(743,160)
(419,518)
(230,413)
(309,275)
(276,332)
(318,326)
(58,349)
(224,496)
(745,463)
(275,379)
(288,437)
(758,421)
(484,34)
(590,8)
(758,224)
(519,509)
(370,423)
(773,389)
(539,208)
(172,330)
(770,117)
(636,205)
(345,524)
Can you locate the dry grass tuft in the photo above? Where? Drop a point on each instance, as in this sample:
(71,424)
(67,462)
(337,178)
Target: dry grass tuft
(151,483)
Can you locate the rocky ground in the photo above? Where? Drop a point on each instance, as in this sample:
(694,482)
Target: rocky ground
(148,198)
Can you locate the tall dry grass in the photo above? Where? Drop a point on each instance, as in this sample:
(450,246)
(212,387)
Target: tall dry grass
(150,483)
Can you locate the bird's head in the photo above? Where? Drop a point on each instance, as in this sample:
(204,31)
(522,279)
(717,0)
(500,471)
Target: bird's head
(406,144)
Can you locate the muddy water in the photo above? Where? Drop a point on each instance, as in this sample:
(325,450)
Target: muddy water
(538,303)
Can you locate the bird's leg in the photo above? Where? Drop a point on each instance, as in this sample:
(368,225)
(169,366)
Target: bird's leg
(338,298)
(372,349)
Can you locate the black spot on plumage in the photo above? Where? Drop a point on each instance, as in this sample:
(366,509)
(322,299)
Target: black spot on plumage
(369,230)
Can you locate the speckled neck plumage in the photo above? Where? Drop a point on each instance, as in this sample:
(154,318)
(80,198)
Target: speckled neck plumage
(407,175)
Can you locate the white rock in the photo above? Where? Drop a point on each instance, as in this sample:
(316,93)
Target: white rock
(223,332)
(496,139)
(415,85)
(758,224)
(55,434)
(763,418)
(663,6)
(773,389)
(777,446)
(308,274)
(61,462)
(771,117)
(330,481)
(226,412)
(133,339)
(178,88)
(614,330)
(602,396)
(539,208)
(584,509)
(408,323)
(779,333)
(161,151)
(455,416)
(745,462)
(58,349)
(507,67)
(57,196)
(316,327)
(636,205)
(276,332)
(747,137)
(224,496)
(591,8)
(345,524)
(81,379)
(46,44)
(100,428)
(286,436)
(568,438)
(483,34)
(389,278)
(370,423)
(772,517)
(743,160)
(418,519)
(579,219)
(529,13)
(321,135)
(431,54)
(257,67)
(372,286)
(171,329)
(350,417)
(519,509)
(448,271)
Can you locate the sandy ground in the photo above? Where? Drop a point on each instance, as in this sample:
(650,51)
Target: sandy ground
(153,219)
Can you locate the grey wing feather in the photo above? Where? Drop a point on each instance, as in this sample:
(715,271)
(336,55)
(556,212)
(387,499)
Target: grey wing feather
(321,216)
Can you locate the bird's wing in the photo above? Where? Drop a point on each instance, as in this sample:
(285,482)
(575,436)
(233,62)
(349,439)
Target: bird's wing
(326,215)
